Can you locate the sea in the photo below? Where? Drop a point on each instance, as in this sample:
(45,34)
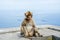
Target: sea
(14,18)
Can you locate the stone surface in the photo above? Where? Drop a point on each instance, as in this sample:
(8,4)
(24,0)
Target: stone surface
(14,34)
(42,38)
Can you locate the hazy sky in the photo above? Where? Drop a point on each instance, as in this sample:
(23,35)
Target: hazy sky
(13,10)
(29,4)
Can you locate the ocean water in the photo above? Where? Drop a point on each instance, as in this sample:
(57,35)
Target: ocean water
(14,18)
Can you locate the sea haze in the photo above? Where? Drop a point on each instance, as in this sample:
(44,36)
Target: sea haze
(45,12)
(15,18)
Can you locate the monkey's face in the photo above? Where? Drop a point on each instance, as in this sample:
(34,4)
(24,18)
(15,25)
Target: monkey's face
(29,17)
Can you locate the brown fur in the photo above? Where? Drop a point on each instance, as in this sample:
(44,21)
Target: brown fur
(24,24)
(28,14)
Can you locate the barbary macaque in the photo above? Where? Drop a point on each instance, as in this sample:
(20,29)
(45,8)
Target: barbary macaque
(28,28)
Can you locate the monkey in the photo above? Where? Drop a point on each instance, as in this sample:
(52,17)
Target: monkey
(28,27)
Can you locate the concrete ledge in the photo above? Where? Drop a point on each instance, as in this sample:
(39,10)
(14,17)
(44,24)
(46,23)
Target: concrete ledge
(46,38)
(54,29)
(55,38)
(42,38)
